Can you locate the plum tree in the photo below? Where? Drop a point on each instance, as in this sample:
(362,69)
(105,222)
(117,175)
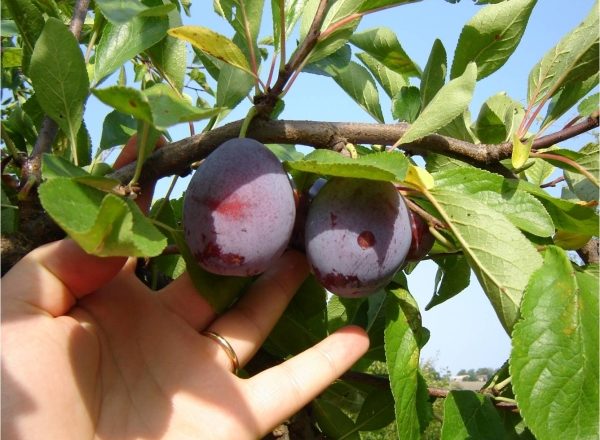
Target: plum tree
(239,209)
(357,235)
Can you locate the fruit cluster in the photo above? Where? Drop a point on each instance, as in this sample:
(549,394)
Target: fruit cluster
(240,214)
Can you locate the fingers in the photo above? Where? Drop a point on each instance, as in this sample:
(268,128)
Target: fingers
(52,277)
(181,297)
(281,391)
(248,324)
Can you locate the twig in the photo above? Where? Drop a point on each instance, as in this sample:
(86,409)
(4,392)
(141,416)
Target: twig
(553,183)
(570,131)
(176,157)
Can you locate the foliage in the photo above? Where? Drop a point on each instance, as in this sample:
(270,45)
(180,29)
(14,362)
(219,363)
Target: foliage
(482,186)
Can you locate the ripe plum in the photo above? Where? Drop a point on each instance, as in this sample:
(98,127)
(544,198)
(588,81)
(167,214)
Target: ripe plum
(357,235)
(239,209)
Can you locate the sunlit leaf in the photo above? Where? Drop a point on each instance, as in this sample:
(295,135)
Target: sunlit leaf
(434,75)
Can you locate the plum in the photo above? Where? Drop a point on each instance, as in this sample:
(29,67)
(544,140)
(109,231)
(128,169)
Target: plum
(239,209)
(422,239)
(357,235)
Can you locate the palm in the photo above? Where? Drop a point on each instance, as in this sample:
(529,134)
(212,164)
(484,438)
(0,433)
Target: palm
(129,363)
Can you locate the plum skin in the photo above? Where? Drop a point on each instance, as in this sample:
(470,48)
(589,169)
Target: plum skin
(238,209)
(422,238)
(357,235)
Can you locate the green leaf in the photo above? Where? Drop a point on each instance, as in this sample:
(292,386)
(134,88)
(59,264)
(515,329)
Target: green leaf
(377,411)
(213,44)
(285,152)
(468,414)
(9,213)
(357,82)
(434,75)
(589,105)
(220,291)
(30,23)
(452,277)
(169,55)
(117,128)
(245,17)
(390,81)
(523,210)
(233,86)
(554,359)
(126,100)
(59,77)
(568,96)
(498,118)
(376,166)
(539,171)
(450,102)
(580,185)
(566,215)
(292,12)
(402,354)
(460,128)
(12,57)
(54,166)
(333,422)
(501,257)
(369,5)
(121,42)
(102,224)
(573,59)
(169,109)
(491,36)
(120,11)
(407,104)
(303,323)
(383,45)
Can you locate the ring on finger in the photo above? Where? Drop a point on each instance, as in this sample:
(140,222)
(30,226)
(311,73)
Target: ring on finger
(226,346)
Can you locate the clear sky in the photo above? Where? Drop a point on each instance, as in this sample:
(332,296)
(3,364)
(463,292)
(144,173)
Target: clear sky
(465,332)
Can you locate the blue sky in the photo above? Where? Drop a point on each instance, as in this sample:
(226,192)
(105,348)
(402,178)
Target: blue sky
(465,332)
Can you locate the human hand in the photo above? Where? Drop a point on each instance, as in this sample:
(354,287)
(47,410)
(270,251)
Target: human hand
(88,351)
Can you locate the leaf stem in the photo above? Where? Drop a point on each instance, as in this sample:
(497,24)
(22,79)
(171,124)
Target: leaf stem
(166,197)
(247,120)
(503,384)
(141,153)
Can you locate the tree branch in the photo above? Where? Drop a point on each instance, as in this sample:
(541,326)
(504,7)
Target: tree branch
(568,132)
(590,253)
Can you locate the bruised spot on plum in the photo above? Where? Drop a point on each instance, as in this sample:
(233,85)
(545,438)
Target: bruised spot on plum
(366,239)
(232,207)
(333,219)
(213,251)
(334,280)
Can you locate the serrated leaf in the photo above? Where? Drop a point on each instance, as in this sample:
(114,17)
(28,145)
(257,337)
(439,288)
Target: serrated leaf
(498,117)
(501,257)
(169,109)
(102,224)
(450,102)
(117,128)
(589,105)
(406,104)
(54,166)
(377,411)
(554,359)
(126,100)
(390,81)
(539,171)
(573,59)
(468,414)
(30,23)
(452,277)
(491,36)
(121,42)
(303,324)
(358,83)
(520,151)
(120,11)
(233,86)
(579,184)
(377,166)
(522,209)
(402,355)
(434,75)
(59,77)
(566,215)
(383,45)
(213,44)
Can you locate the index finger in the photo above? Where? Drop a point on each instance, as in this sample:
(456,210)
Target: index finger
(279,392)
